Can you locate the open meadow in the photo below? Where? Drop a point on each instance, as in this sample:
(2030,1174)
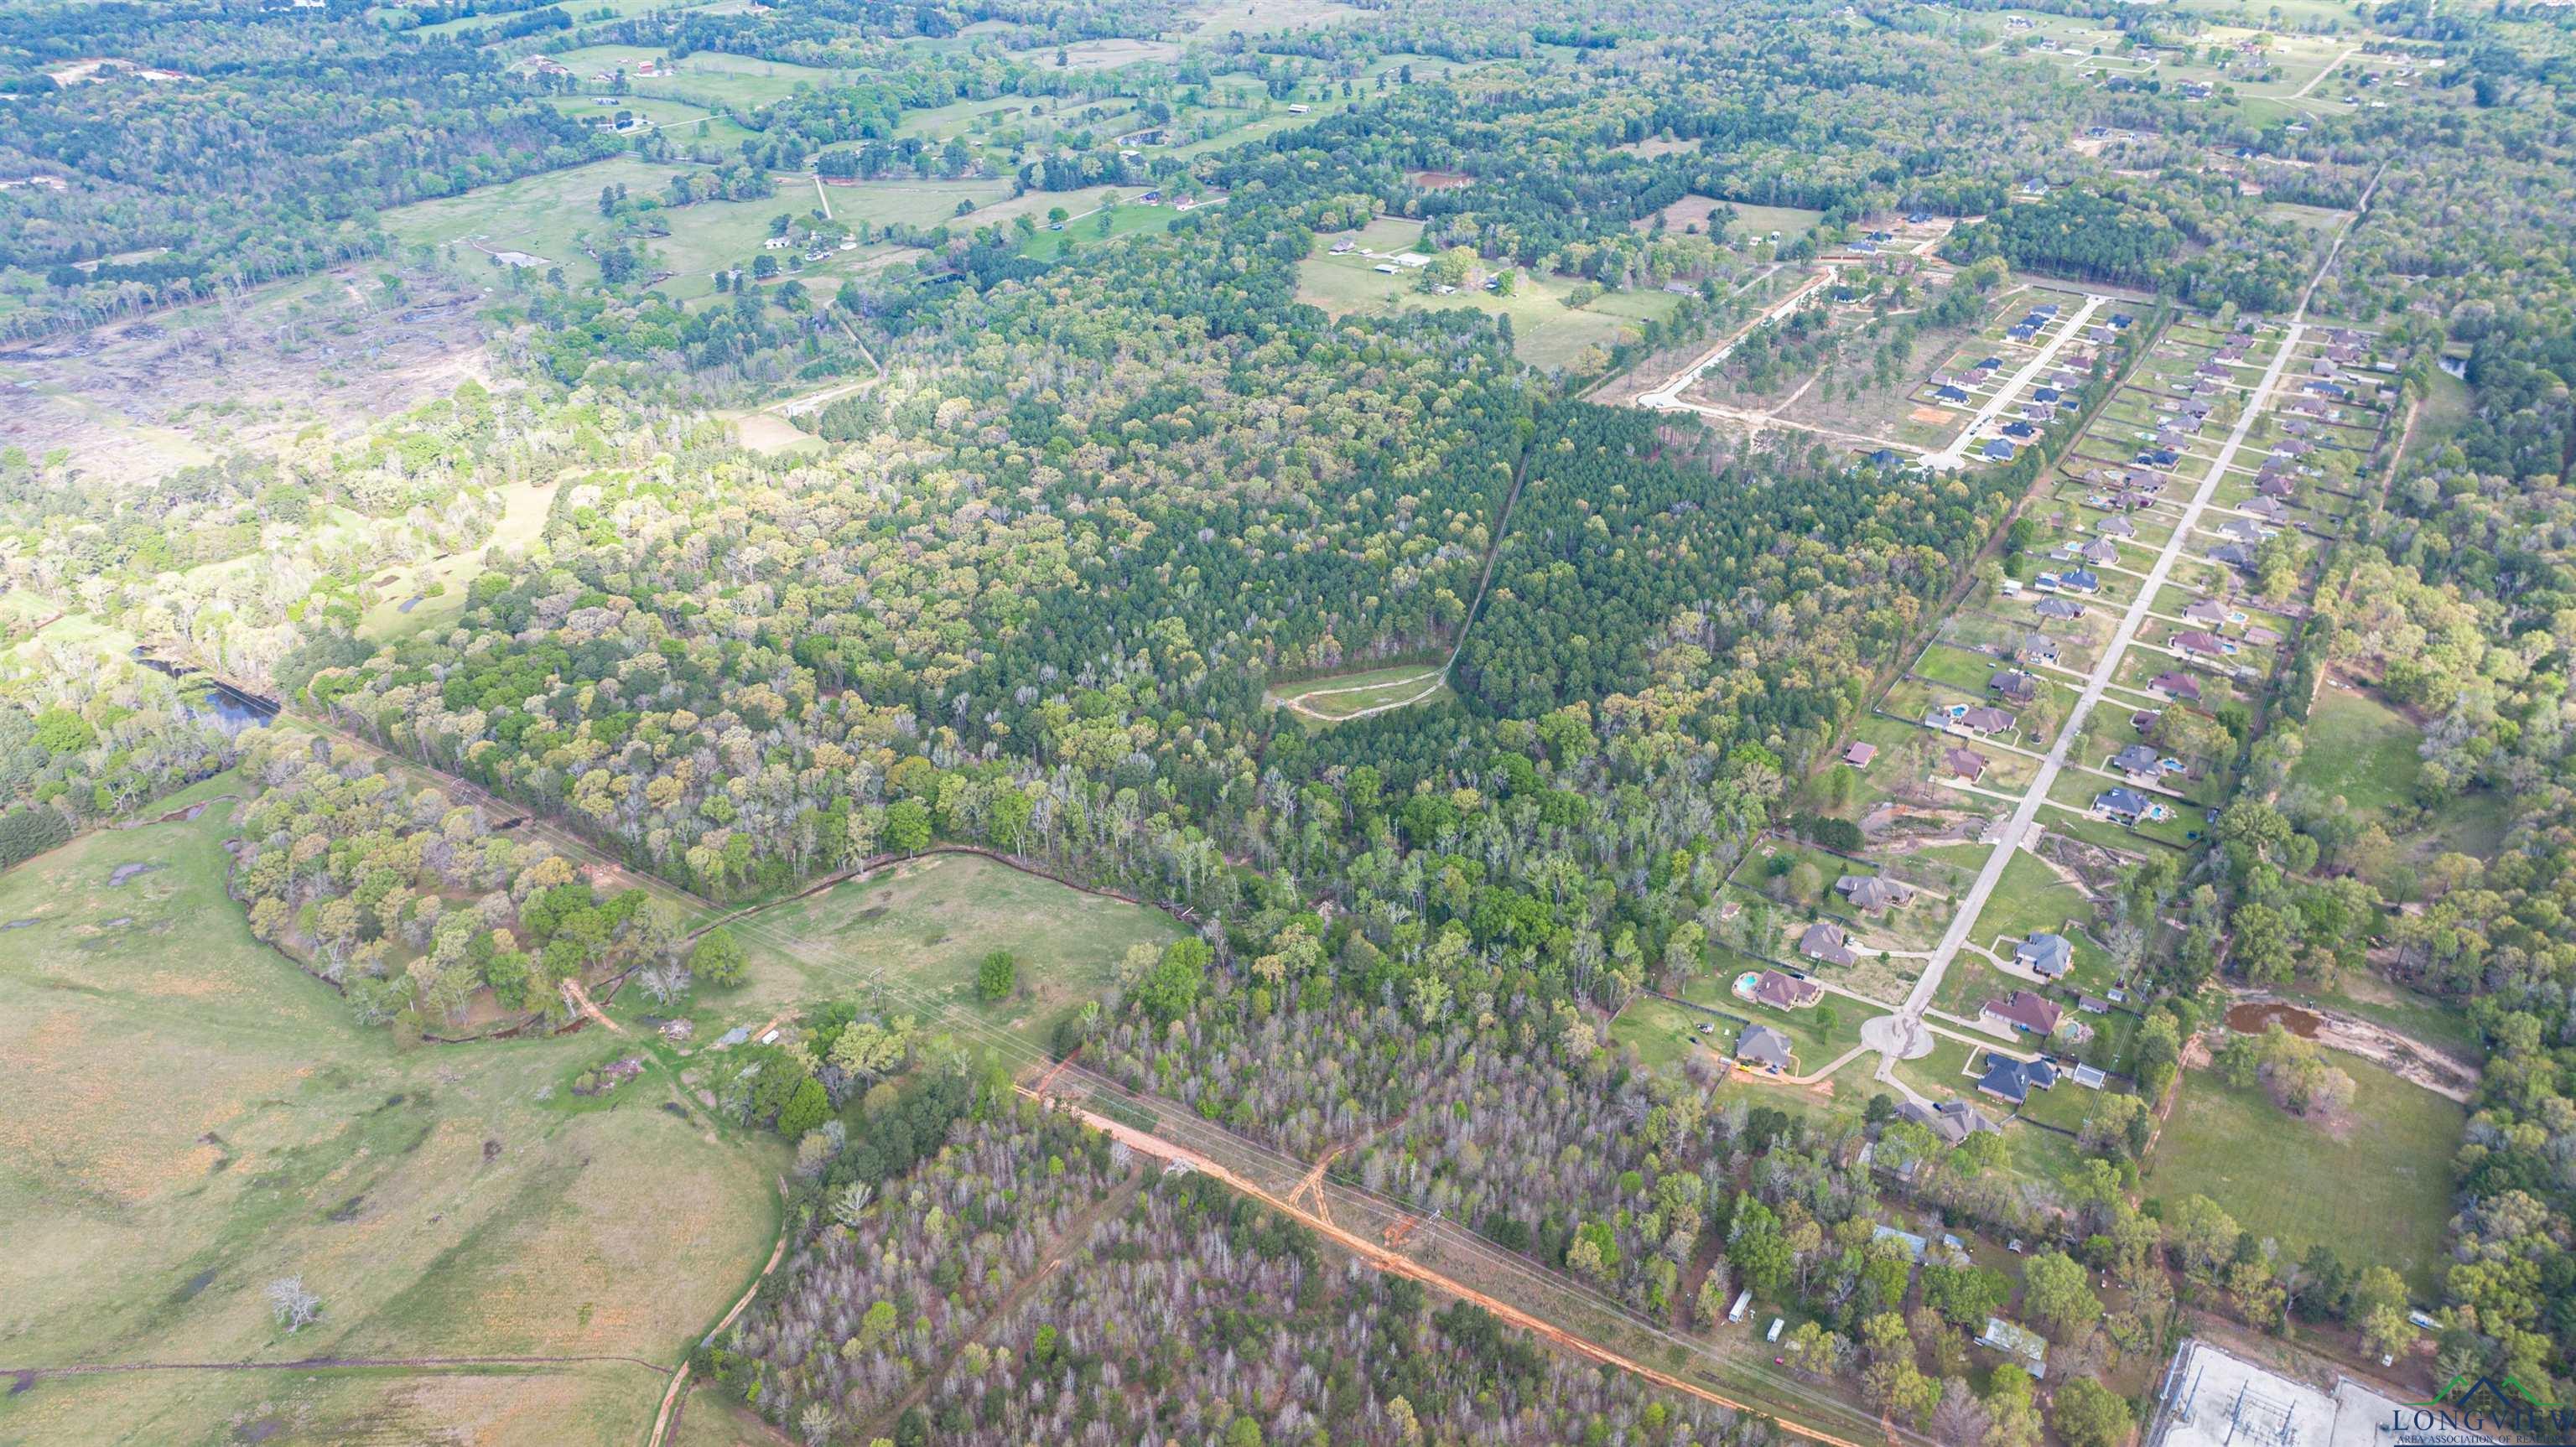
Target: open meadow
(2375,1186)
(193,1118)
(917,929)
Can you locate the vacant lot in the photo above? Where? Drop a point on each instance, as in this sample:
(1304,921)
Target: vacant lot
(192,1117)
(2360,751)
(2377,1189)
(918,929)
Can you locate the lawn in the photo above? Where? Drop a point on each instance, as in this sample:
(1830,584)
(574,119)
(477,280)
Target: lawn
(193,1117)
(525,508)
(920,927)
(2377,1190)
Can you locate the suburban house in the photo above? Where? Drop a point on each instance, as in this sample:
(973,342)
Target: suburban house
(2268,509)
(2099,550)
(1764,1047)
(2175,686)
(1948,394)
(1966,764)
(2202,642)
(1859,755)
(2045,955)
(1873,893)
(2013,686)
(2079,580)
(2126,806)
(2233,555)
(2023,1010)
(2011,1080)
(2116,528)
(1951,1122)
(1825,941)
(2065,608)
(1783,991)
(2205,612)
(2037,648)
(2139,762)
(1983,719)
(1998,451)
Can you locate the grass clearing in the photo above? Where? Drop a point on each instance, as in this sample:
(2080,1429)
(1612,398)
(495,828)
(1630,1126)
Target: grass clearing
(921,927)
(2359,750)
(2377,1189)
(192,1117)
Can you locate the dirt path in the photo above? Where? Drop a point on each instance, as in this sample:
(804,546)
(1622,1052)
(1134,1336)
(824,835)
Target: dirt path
(1394,1264)
(2409,1059)
(579,999)
(663,1419)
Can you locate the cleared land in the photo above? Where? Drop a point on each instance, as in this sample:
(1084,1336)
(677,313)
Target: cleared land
(920,928)
(2376,1188)
(193,1117)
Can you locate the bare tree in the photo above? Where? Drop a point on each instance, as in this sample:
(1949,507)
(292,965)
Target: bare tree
(294,1307)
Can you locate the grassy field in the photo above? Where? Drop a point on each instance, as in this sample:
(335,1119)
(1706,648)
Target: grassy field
(2359,750)
(921,927)
(2377,1190)
(708,77)
(555,214)
(193,1117)
(1545,331)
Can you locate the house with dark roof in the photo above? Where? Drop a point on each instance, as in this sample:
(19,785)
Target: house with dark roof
(1783,991)
(2139,762)
(2020,431)
(2023,1010)
(1985,719)
(1951,1122)
(1763,1047)
(1948,394)
(2045,955)
(1965,764)
(2202,643)
(1824,941)
(2079,580)
(2059,608)
(2045,394)
(2175,685)
(2233,555)
(1997,451)
(2122,805)
(2011,1080)
(2013,686)
(1873,893)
